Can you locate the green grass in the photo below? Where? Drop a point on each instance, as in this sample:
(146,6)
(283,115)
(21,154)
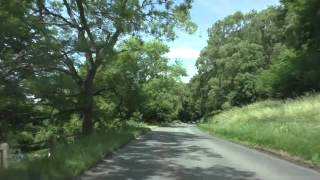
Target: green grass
(291,126)
(71,160)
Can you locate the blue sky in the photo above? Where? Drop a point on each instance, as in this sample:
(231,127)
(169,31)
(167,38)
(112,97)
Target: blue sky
(204,13)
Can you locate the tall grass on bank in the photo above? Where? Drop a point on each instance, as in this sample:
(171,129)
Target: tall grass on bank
(292,126)
(71,160)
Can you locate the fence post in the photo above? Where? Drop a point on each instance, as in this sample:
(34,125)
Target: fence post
(4,153)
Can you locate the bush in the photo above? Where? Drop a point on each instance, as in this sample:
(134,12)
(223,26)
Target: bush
(69,160)
(24,138)
(291,73)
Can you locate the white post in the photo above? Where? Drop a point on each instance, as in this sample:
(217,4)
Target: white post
(4,148)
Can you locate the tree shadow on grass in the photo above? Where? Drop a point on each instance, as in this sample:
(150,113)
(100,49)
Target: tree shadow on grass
(165,155)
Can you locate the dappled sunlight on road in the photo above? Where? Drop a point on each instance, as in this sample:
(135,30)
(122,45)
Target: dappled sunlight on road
(167,153)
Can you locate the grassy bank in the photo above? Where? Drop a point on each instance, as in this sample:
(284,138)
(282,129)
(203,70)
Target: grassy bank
(291,126)
(71,160)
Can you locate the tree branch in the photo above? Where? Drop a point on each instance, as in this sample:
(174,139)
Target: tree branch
(73,72)
(83,21)
(69,11)
(47,11)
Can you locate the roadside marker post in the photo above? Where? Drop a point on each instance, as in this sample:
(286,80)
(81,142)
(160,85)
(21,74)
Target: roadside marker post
(4,152)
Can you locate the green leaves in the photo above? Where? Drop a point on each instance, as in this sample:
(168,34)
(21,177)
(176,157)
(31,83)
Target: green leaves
(142,81)
(239,47)
(271,53)
(53,51)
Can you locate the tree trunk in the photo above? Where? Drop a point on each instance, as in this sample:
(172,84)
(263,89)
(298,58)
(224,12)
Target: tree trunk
(87,123)
(87,111)
(86,102)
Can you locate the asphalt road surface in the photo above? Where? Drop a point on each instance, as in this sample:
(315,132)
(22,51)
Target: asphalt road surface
(185,153)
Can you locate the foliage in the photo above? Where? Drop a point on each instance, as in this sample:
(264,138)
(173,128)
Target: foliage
(53,50)
(76,66)
(228,65)
(268,54)
(70,160)
(163,100)
(70,67)
(295,66)
(281,77)
(73,66)
(13,107)
(141,81)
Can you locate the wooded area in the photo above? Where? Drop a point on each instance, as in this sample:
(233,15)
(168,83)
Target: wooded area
(78,67)
(259,55)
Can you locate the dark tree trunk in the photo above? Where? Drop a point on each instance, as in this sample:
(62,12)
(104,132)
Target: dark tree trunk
(87,101)
(87,123)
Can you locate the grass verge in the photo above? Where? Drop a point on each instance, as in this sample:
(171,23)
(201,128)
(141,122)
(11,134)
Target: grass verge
(288,128)
(71,160)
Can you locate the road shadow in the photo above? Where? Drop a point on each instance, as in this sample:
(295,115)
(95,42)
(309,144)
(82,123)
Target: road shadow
(165,155)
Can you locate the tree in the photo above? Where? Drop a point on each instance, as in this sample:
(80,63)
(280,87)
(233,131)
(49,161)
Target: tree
(15,38)
(84,35)
(239,48)
(271,53)
(143,81)
(302,23)
(295,66)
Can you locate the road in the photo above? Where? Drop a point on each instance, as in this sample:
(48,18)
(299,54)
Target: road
(186,153)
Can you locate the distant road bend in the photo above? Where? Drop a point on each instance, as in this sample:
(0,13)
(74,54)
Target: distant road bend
(185,153)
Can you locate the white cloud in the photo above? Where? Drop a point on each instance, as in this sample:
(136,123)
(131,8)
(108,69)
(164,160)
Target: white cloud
(183,53)
(191,71)
(187,57)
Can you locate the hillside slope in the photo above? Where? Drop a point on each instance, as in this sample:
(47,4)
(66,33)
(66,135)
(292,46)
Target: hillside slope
(291,127)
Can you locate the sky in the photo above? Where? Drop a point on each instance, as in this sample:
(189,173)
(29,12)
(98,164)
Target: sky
(204,13)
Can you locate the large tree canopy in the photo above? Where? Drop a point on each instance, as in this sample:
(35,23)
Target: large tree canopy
(271,53)
(71,41)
